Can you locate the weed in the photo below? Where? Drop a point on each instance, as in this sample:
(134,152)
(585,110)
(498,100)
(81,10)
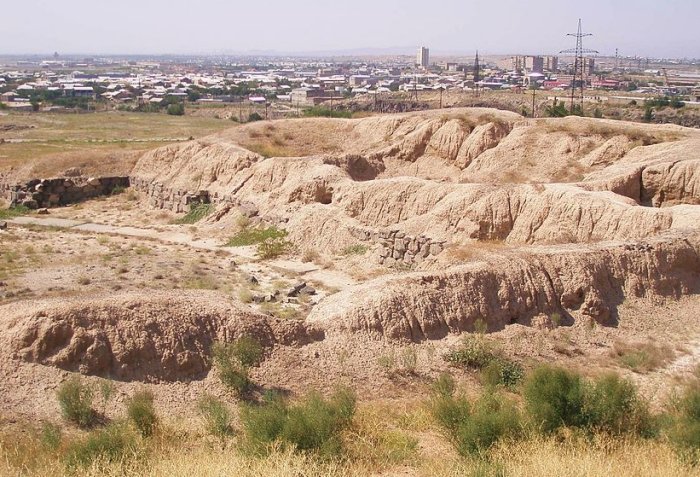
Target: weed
(233,361)
(216,415)
(502,372)
(357,249)
(196,213)
(113,443)
(142,413)
(313,424)
(554,398)
(247,350)
(272,248)
(473,427)
(254,236)
(641,357)
(50,437)
(75,399)
(83,281)
(13,212)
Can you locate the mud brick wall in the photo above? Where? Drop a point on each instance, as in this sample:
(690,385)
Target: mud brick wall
(397,247)
(39,193)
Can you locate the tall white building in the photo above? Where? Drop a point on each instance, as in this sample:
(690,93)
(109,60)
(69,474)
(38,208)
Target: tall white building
(423,57)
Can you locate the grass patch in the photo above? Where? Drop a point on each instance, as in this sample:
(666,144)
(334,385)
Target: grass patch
(357,249)
(233,362)
(12,212)
(641,357)
(253,236)
(111,444)
(196,213)
(142,412)
(313,424)
(324,112)
(75,399)
(216,415)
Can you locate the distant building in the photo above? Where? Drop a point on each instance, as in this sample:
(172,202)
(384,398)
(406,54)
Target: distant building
(588,66)
(551,64)
(423,57)
(534,64)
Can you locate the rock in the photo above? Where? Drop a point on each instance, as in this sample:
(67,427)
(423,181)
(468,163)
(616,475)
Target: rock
(252,280)
(42,211)
(3,225)
(296,289)
(307,290)
(73,172)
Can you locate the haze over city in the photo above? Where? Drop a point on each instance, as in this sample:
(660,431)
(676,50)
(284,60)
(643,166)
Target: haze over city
(644,27)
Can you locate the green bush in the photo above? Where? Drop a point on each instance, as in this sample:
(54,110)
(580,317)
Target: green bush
(13,212)
(176,109)
(248,351)
(323,112)
(312,424)
(216,415)
(613,406)
(113,443)
(272,248)
(232,373)
(475,352)
(254,236)
(684,428)
(142,412)
(252,117)
(554,398)
(75,400)
(357,249)
(502,372)
(474,427)
(196,213)
(50,437)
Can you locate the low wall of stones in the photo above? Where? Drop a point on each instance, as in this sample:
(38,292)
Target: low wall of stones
(396,247)
(40,193)
(178,201)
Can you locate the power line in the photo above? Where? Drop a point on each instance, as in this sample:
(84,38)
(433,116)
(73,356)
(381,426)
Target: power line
(579,67)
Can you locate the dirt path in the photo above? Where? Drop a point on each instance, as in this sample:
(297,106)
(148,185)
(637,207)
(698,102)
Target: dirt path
(310,271)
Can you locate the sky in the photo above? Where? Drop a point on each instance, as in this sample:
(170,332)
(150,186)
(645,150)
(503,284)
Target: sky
(656,28)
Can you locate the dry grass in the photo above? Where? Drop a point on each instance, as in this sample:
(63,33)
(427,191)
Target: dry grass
(384,440)
(468,252)
(641,357)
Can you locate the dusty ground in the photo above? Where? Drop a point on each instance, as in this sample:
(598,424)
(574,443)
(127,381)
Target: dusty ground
(574,240)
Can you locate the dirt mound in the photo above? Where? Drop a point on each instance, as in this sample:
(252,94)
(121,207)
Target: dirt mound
(575,282)
(166,337)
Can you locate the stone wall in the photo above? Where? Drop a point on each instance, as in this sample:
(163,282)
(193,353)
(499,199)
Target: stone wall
(396,247)
(178,201)
(39,193)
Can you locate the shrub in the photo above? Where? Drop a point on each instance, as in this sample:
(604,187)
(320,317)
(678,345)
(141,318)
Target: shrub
(357,249)
(554,398)
(232,373)
(113,443)
(684,429)
(50,437)
(252,117)
(12,212)
(142,413)
(216,415)
(247,350)
(475,352)
(196,213)
(473,427)
(75,399)
(313,424)
(323,112)
(272,248)
(254,236)
(177,109)
(641,357)
(502,372)
(614,407)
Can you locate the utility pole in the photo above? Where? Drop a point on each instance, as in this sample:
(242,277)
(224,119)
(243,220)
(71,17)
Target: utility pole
(533,103)
(579,67)
(477,74)
(441,90)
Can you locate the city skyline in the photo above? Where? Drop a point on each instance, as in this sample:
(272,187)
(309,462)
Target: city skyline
(366,28)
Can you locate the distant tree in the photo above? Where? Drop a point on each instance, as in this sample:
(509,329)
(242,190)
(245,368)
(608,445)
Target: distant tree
(597,113)
(648,114)
(176,109)
(556,110)
(254,117)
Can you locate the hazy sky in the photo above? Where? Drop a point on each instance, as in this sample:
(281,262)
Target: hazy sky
(639,27)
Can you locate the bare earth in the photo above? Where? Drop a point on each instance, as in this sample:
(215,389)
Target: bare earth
(570,238)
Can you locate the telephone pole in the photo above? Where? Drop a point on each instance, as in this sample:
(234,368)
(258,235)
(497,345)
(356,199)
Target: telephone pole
(579,67)
(477,74)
